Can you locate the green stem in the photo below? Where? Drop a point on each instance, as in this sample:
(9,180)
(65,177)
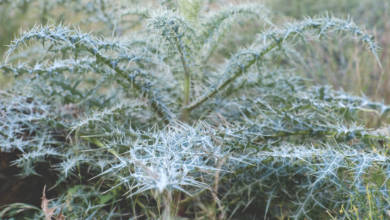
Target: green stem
(160,108)
(187,84)
(237,72)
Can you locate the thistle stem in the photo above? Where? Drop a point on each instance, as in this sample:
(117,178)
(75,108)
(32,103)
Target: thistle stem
(187,85)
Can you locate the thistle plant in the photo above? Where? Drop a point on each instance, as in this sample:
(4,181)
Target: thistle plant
(164,120)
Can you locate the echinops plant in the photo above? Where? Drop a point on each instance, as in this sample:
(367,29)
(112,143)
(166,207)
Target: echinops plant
(156,117)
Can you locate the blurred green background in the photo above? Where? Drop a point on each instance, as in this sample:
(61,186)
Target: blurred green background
(343,65)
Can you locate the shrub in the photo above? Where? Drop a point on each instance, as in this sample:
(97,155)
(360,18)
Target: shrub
(164,122)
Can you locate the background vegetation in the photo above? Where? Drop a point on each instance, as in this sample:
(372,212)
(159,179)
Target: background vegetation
(194,109)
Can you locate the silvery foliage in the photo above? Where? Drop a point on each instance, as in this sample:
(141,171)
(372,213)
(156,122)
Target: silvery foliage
(107,111)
